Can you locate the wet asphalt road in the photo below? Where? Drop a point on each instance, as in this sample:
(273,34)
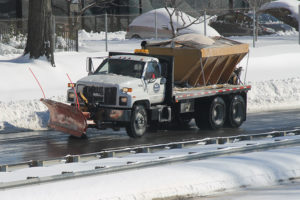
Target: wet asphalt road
(25,146)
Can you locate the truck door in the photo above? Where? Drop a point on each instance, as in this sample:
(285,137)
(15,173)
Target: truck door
(155,85)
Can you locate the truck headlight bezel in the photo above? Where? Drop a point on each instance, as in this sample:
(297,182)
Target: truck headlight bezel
(71,96)
(123,101)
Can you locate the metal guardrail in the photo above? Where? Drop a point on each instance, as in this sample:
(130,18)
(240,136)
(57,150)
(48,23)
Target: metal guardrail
(148,149)
(140,149)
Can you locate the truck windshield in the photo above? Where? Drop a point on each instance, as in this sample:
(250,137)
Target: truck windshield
(121,67)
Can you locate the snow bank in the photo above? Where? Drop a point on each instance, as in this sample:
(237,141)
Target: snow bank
(83,35)
(274,94)
(12,44)
(7,49)
(287,33)
(35,116)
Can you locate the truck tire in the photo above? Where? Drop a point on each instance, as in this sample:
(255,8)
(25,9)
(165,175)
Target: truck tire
(237,112)
(138,122)
(211,114)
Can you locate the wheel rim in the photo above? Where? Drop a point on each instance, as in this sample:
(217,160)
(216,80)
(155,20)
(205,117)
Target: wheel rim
(218,114)
(237,112)
(140,121)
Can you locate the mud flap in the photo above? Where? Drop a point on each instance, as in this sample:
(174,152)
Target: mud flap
(66,118)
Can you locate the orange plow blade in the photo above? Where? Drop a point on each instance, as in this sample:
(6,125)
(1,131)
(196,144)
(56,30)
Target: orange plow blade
(66,118)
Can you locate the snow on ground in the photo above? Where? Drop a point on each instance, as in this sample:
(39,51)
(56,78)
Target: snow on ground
(194,178)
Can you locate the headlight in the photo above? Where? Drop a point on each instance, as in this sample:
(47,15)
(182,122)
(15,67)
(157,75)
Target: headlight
(123,101)
(71,96)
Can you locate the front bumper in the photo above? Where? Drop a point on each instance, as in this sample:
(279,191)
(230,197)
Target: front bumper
(112,115)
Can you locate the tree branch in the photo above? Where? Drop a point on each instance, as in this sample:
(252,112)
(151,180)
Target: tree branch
(171,21)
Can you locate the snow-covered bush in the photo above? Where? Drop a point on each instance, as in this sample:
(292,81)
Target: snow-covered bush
(60,43)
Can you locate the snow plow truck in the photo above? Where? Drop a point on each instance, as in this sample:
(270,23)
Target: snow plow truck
(188,77)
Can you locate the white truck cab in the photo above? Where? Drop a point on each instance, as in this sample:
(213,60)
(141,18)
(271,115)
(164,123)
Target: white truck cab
(135,78)
(120,87)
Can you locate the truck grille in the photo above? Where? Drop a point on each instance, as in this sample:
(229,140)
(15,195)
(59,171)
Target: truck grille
(102,95)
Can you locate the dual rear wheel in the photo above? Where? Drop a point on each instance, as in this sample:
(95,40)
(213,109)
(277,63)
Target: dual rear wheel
(215,113)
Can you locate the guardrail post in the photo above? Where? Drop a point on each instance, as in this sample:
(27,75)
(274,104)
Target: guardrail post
(72,159)
(36,163)
(143,150)
(211,141)
(107,154)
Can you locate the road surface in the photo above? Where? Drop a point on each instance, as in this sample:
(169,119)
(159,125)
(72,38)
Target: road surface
(41,145)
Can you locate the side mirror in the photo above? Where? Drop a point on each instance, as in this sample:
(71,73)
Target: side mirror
(163,81)
(89,65)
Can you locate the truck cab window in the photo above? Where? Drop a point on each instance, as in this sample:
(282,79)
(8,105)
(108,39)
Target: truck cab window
(121,67)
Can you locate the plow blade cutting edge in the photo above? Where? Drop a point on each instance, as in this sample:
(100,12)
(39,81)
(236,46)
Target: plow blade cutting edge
(66,118)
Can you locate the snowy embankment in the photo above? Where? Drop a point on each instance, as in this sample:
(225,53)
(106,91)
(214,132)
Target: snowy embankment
(273,71)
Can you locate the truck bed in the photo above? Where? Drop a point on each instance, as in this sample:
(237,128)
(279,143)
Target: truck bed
(206,91)
(200,60)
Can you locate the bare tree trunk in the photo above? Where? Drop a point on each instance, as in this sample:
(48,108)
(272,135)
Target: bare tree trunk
(39,40)
(231,5)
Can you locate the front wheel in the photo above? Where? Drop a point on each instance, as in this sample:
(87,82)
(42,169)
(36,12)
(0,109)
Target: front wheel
(138,122)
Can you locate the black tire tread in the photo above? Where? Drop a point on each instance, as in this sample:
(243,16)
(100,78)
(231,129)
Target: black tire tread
(204,110)
(130,129)
(230,122)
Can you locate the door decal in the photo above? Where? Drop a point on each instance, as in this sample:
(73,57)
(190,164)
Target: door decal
(156,87)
